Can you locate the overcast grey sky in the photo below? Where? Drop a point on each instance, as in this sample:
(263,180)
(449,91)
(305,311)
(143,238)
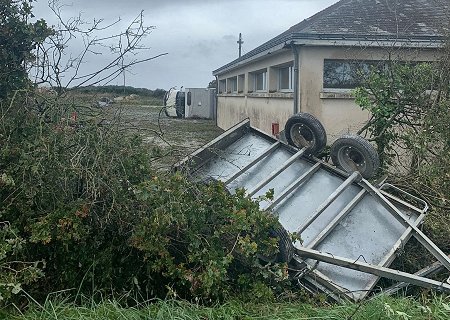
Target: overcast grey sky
(199,36)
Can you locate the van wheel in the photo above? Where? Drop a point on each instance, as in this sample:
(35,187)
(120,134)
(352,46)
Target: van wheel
(304,130)
(354,153)
(180,114)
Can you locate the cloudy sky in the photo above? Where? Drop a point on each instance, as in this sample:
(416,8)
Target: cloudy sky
(198,36)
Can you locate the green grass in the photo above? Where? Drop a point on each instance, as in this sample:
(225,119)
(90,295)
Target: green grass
(379,308)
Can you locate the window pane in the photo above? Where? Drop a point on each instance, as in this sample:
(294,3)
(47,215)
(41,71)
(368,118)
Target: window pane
(232,84)
(222,86)
(337,74)
(286,78)
(260,81)
(241,81)
(347,74)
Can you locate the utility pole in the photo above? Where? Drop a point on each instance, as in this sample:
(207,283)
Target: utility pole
(240,44)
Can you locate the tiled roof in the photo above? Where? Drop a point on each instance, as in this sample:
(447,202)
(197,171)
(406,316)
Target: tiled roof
(383,17)
(367,19)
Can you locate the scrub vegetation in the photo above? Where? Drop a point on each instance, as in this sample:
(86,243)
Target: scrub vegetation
(409,104)
(84,212)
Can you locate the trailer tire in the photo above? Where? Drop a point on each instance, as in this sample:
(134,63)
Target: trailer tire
(304,130)
(285,246)
(354,153)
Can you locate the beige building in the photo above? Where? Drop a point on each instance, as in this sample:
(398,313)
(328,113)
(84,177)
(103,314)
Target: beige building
(314,66)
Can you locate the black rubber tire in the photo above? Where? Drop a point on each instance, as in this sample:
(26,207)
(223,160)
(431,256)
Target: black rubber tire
(180,104)
(354,153)
(304,130)
(180,114)
(285,246)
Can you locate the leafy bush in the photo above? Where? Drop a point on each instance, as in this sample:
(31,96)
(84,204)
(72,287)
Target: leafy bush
(84,200)
(13,273)
(398,99)
(409,105)
(18,38)
(82,210)
(204,238)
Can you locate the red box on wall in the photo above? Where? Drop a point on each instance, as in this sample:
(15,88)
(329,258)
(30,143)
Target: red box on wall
(275,129)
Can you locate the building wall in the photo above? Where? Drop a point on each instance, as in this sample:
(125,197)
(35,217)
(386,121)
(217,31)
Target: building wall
(263,108)
(262,112)
(335,108)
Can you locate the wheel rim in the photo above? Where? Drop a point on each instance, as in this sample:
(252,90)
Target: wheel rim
(350,159)
(302,136)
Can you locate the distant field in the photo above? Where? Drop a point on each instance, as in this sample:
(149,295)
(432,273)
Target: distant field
(176,138)
(173,138)
(90,99)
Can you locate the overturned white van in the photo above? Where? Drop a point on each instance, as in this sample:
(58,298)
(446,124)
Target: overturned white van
(191,103)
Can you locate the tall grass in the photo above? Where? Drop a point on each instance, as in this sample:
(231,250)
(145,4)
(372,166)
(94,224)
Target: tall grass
(380,308)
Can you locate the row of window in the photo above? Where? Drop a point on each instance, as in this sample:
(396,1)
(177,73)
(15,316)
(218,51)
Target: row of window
(281,80)
(337,74)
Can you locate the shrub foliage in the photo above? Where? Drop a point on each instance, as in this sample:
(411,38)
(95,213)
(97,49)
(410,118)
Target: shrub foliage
(80,201)
(82,210)
(409,106)
(18,38)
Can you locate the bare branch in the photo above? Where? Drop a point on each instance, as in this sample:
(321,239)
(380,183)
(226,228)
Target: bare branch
(63,70)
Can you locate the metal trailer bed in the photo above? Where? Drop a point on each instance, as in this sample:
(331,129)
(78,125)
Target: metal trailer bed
(350,230)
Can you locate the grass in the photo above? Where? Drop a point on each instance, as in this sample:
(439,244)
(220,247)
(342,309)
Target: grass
(89,99)
(176,138)
(380,308)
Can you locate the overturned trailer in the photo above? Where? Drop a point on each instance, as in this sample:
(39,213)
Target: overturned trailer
(350,229)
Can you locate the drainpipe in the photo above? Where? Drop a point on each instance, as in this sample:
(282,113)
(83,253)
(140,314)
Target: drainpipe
(216,99)
(296,78)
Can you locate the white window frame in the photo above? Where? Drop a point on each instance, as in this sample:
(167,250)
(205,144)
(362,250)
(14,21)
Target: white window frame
(241,83)
(232,85)
(222,86)
(291,79)
(262,73)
